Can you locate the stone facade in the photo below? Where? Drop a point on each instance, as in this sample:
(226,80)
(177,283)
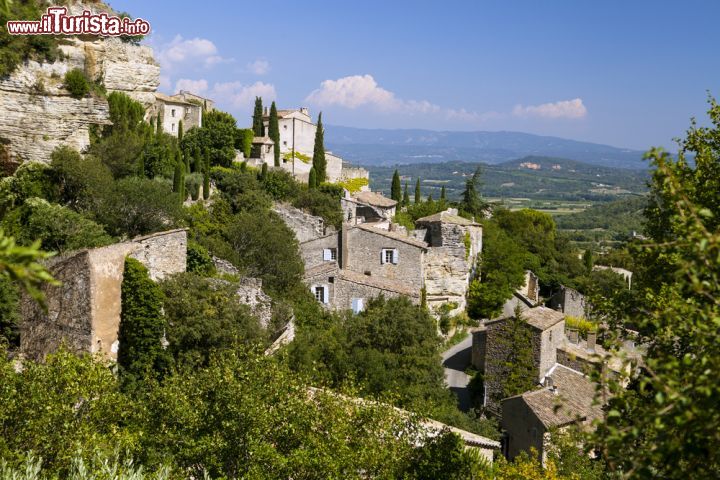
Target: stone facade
(38,112)
(568,301)
(171,110)
(450,263)
(84,312)
(305,226)
(531,288)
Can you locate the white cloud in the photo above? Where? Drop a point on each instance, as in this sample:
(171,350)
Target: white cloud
(242,96)
(563,109)
(189,52)
(352,92)
(259,67)
(194,86)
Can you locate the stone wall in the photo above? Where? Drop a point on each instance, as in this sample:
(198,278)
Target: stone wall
(305,226)
(569,301)
(365,249)
(478,352)
(39,114)
(346,290)
(549,341)
(250,293)
(312,250)
(522,428)
(84,312)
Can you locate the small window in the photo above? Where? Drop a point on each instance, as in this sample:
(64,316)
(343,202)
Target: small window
(285,127)
(285,143)
(358,305)
(173,127)
(389,255)
(331,279)
(172,112)
(329,254)
(320,294)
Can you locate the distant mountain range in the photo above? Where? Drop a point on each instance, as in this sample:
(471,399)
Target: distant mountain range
(390,147)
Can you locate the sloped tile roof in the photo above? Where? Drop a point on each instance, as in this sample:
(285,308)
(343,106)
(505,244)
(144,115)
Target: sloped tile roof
(375,199)
(394,235)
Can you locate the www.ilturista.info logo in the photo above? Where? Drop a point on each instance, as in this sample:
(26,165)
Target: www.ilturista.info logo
(56,21)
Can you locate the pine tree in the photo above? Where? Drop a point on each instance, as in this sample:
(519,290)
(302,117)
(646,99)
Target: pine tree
(471,201)
(395,189)
(318,159)
(312,179)
(274,132)
(417,191)
(180,131)
(442,193)
(406,197)
(258,126)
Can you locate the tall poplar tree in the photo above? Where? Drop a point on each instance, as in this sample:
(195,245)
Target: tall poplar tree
(274,132)
(406,197)
(417,191)
(318,160)
(396,189)
(180,131)
(258,126)
(442,193)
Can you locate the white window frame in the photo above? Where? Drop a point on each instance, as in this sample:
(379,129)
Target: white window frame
(325,293)
(172,112)
(329,254)
(392,254)
(358,305)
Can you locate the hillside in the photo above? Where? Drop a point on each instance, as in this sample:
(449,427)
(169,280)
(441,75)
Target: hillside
(538,178)
(389,147)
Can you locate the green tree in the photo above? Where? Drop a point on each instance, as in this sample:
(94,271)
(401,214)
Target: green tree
(442,193)
(418,199)
(312,178)
(395,189)
(180,131)
(76,83)
(218,135)
(318,158)
(471,202)
(258,125)
(177,176)
(243,141)
(668,416)
(406,197)
(142,325)
(274,132)
(588,260)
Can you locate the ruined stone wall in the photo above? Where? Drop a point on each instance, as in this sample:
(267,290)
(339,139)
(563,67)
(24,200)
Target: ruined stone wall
(250,293)
(569,301)
(69,310)
(305,226)
(86,308)
(364,255)
(312,250)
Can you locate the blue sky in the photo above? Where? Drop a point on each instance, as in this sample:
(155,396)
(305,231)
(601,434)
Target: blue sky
(625,73)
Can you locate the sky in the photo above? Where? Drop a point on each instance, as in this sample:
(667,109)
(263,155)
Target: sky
(624,73)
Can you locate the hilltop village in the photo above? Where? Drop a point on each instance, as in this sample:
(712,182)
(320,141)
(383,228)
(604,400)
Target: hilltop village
(184,294)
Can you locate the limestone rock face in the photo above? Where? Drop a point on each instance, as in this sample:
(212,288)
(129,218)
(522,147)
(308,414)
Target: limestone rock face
(37,114)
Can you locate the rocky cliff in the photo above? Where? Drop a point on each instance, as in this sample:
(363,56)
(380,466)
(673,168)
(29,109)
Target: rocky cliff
(37,114)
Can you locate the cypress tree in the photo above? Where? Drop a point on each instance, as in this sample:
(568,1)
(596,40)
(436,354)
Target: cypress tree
(206,179)
(318,160)
(186,161)
(152,123)
(141,167)
(417,191)
(197,160)
(258,127)
(442,193)
(177,175)
(141,324)
(312,178)
(159,124)
(395,189)
(263,171)
(180,131)
(406,197)
(274,132)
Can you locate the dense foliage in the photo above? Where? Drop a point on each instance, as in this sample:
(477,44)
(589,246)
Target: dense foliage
(76,83)
(15,49)
(319,162)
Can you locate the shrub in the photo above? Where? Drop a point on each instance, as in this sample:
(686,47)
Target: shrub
(199,260)
(76,83)
(581,324)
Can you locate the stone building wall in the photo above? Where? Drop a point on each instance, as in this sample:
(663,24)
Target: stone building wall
(305,226)
(364,255)
(84,312)
(549,341)
(250,293)
(311,251)
(347,290)
(522,427)
(569,301)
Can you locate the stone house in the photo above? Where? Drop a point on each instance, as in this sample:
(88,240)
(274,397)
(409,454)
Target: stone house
(455,242)
(84,312)
(547,335)
(566,397)
(173,109)
(263,150)
(568,301)
(206,104)
(531,288)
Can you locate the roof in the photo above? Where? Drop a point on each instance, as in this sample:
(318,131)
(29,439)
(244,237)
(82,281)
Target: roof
(468,437)
(570,399)
(263,140)
(285,113)
(323,268)
(394,235)
(375,199)
(168,99)
(379,282)
(446,217)
(542,318)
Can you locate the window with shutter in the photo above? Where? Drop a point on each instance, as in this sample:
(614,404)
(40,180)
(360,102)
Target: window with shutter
(395,256)
(358,305)
(326,294)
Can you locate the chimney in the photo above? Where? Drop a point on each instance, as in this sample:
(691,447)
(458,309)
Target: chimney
(591,341)
(305,111)
(572,334)
(549,383)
